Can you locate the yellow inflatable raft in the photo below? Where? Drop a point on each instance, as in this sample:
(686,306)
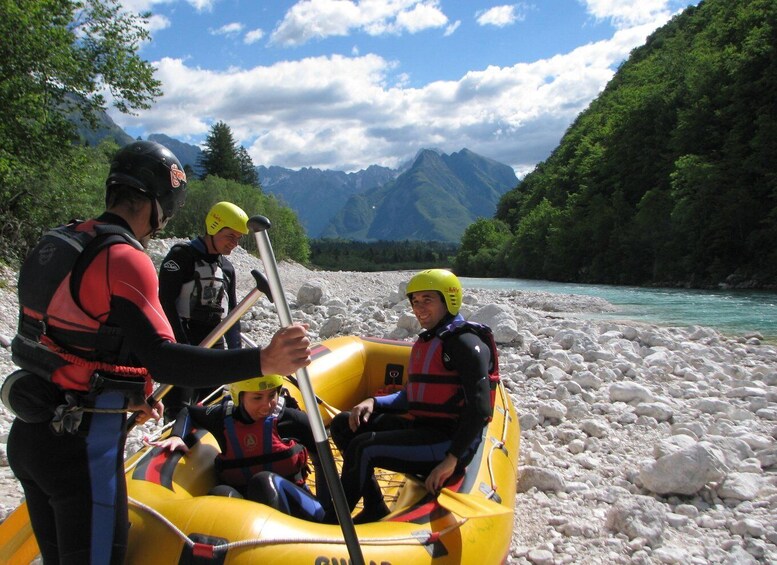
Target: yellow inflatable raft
(174,521)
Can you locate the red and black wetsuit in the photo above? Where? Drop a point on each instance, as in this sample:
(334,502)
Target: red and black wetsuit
(447,417)
(73,482)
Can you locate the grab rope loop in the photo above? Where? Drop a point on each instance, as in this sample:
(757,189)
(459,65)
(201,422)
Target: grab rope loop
(421,538)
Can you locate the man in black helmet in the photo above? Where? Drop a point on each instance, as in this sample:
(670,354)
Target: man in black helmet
(92,333)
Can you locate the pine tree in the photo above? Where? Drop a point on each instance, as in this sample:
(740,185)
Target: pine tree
(248,174)
(220,155)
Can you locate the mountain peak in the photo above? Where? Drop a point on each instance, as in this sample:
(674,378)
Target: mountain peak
(435,199)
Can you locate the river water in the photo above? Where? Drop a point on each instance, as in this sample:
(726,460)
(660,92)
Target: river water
(733,312)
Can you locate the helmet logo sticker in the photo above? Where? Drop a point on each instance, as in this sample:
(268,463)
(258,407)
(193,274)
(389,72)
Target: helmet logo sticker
(171,266)
(177,176)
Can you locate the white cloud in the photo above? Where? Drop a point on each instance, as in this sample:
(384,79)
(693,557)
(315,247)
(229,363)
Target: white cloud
(348,112)
(420,17)
(344,113)
(317,19)
(231,29)
(499,16)
(627,13)
(157,22)
(253,36)
(202,5)
(451,29)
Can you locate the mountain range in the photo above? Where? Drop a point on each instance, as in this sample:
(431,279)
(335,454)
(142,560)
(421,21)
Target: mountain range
(432,198)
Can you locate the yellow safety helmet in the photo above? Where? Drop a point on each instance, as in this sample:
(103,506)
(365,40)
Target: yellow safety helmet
(265,382)
(444,282)
(226,215)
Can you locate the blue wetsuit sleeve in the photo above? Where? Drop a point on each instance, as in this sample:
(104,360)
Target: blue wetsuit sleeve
(182,425)
(207,418)
(395,402)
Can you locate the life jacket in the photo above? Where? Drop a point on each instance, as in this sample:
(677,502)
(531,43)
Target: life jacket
(203,301)
(55,333)
(433,389)
(251,448)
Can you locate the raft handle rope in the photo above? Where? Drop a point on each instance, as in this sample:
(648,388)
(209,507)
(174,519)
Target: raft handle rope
(498,443)
(425,537)
(73,359)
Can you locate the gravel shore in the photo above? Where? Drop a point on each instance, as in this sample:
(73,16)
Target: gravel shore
(639,443)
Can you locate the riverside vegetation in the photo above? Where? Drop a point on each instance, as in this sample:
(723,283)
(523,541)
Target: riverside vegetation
(668,177)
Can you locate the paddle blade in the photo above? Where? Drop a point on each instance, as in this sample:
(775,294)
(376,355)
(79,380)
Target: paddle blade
(17,542)
(469,506)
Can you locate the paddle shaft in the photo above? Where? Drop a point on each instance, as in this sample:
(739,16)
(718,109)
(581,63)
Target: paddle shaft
(259,225)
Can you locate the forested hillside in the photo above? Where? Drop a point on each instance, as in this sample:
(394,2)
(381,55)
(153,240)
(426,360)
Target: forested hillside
(669,177)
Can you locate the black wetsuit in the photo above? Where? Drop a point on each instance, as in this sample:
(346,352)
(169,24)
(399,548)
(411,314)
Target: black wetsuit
(418,445)
(196,289)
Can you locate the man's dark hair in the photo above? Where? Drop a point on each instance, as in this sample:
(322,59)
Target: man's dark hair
(127,195)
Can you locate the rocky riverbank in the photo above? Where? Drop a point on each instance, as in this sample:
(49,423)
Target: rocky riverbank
(639,443)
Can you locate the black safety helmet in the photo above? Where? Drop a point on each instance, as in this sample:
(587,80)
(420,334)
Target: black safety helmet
(152,169)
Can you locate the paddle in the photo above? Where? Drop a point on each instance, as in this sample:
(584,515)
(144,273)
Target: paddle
(259,225)
(262,287)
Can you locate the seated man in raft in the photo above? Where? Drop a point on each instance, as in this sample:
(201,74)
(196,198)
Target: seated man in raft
(449,399)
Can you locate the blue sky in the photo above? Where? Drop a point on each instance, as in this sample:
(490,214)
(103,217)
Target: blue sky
(341,84)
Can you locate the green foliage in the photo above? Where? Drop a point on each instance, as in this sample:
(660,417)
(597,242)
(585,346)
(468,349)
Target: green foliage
(222,157)
(380,255)
(56,58)
(248,174)
(669,176)
(69,187)
(286,235)
(480,249)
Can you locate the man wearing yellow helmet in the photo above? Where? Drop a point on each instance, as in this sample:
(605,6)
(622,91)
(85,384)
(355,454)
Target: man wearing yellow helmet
(434,425)
(265,441)
(197,288)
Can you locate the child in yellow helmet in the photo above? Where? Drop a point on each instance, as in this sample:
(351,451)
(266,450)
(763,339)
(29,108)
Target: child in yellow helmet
(264,440)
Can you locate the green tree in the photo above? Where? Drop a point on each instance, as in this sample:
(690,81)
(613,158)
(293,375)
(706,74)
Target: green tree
(480,247)
(57,57)
(248,174)
(669,176)
(220,154)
